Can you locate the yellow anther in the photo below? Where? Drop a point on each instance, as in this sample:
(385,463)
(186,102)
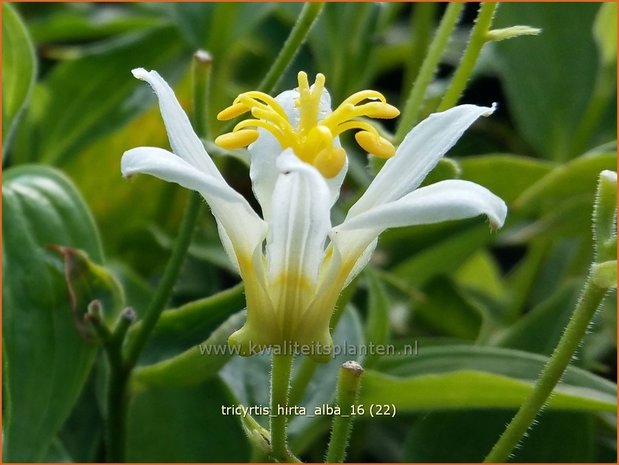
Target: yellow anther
(378,110)
(232,112)
(375,144)
(238,139)
(330,161)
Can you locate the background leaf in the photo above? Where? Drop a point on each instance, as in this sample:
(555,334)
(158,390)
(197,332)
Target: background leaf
(185,425)
(83,99)
(539,72)
(45,361)
(18,70)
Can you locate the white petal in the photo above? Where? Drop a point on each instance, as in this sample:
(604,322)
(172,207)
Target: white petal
(300,220)
(266,150)
(244,228)
(263,169)
(443,201)
(417,155)
(183,140)
(361,262)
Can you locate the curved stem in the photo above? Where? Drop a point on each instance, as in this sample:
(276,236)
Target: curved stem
(280,381)
(551,374)
(479,37)
(298,34)
(411,111)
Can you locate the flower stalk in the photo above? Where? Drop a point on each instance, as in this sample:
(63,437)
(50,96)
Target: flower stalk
(588,304)
(309,14)
(347,392)
(602,277)
(280,382)
(412,108)
(479,37)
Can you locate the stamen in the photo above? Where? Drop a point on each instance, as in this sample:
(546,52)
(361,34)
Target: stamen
(355,124)
(362,95)
(377,110)
(312,140)
(375,144)
(232,112)
(237,139)
(274,130)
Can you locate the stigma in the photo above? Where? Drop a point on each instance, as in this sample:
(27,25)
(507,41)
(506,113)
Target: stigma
(312,139)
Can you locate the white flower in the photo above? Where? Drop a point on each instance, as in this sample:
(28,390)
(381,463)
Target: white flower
(293,261)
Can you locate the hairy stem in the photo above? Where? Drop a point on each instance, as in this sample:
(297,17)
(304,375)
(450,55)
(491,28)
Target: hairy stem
(479,37)
(347,392)
(412,108)
(280,381)
(298,34)
(588,304)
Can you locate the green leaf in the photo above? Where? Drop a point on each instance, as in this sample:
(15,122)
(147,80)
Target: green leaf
(504,362)
(183,328)
(505,175)
(548,78)
(461,377)
(86,281)
(605,33)
(576,178)
(83,99)
(541,328)
(185,425)
(446,310)
(444,256)
(470,389)
(195,365)
(45,360)
(18,70)
(377,325)
(466,436)
(88,23)
(481,274)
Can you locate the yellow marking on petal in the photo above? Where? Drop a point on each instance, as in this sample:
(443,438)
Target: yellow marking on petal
(238,139)
(312,139)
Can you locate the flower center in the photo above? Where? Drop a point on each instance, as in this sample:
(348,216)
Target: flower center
(312,140)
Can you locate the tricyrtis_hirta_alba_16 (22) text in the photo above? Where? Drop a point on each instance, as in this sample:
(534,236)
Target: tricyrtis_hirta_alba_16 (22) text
(293,261)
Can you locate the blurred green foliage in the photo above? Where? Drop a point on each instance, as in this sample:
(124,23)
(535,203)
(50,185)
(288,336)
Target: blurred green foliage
(485,309)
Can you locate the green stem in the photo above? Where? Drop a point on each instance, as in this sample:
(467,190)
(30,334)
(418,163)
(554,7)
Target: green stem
(347,392)
(412,108)
(298,34)
(422,25)
(117,403)
(551,374)
(201,73)
(121,367)
(280,381)
(356,48)
(181,245)
(479,37)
